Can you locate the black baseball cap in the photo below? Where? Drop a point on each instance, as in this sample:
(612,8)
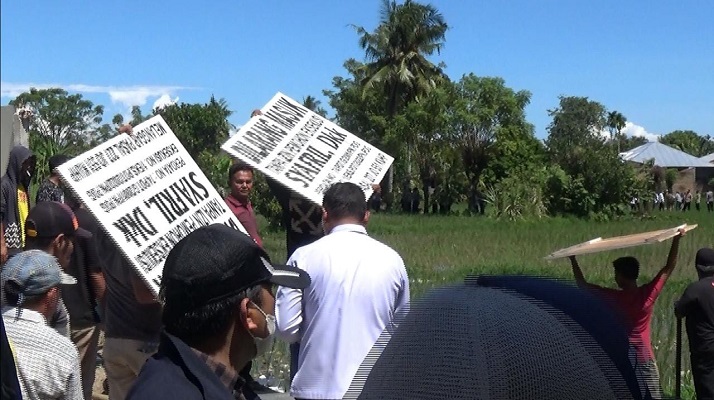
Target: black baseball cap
(57,160)
(49,219)
(704,261)
(215,262)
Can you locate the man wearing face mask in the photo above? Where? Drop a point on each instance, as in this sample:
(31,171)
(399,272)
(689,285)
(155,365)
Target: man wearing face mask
(218,315)
(47,362)
(15,202)
(358,284)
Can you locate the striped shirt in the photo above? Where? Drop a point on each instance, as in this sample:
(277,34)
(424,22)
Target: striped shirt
(47,362)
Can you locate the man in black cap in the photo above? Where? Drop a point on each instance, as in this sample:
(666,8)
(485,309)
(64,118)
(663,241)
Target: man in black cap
(218,315)
(53,228)
(697,306)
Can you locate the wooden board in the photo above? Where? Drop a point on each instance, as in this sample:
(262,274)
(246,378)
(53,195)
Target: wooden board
(619,242)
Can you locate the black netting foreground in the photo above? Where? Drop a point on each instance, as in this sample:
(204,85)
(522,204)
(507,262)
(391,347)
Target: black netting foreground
(501,338)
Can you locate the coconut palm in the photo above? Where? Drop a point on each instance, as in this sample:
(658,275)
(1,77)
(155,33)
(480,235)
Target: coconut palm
(314,105)
(397,54)
(615,123)
(397,51)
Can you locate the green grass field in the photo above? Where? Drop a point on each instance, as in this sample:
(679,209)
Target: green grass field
(443,249)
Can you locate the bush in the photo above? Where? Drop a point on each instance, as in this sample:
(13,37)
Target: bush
(519,196)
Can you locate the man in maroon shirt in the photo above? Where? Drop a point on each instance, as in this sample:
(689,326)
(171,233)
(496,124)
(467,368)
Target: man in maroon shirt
(636,304)
(240,182)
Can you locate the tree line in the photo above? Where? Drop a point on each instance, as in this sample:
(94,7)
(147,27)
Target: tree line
(465,140)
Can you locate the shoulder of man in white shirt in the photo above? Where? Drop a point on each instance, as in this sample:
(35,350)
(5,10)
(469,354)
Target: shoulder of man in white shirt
(326,242)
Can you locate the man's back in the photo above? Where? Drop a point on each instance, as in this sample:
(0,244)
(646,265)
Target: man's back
(357,285)
(637,305)
(700,316)
(47,362)
(124,316)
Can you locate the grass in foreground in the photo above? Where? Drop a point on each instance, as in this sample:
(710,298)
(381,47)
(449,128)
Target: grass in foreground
(444,249)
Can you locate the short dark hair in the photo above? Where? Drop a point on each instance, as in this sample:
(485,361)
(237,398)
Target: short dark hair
(238,166)
(194,326)
(12,296)
(345,199)
(57,160)
(38,243)
(628,267)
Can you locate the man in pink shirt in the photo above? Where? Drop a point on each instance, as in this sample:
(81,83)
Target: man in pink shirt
(240,182)
(636,304)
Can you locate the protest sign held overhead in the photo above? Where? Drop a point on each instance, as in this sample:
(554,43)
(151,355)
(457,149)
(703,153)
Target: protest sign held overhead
(147,193)
(306,152)
(619,242)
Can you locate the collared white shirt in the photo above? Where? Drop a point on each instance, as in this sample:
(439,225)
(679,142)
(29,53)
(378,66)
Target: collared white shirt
(47,362)
(358,284)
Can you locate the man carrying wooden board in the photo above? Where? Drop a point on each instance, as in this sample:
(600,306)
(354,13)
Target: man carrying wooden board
(636,304)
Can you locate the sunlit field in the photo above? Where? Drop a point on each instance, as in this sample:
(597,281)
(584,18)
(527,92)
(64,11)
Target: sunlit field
(443,249)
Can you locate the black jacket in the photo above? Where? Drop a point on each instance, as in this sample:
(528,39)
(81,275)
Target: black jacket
(9,212)
(175,373)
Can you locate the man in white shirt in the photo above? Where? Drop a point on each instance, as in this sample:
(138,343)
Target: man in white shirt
(358,284)
(47,362)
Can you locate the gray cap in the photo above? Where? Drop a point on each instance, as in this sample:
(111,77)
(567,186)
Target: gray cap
(34,272)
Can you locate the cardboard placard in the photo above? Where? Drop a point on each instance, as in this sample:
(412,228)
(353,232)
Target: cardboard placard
(147,193)
(306,152)
(619,242)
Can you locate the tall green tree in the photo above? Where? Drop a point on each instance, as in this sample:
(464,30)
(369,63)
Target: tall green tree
(615,124)
(359,110)
(66,119)
(397,51)
(489,127)
(202,129)
(689,142)
(397,54)
(58,122)
(593,179)
(422,127)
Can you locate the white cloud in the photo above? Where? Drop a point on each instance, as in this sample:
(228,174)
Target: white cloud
(125,95)
(163,101)
(632,129)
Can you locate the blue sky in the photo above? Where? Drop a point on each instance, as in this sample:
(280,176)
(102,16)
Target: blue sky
(651,60)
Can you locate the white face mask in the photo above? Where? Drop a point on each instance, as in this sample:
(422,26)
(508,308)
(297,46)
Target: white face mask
(263,345)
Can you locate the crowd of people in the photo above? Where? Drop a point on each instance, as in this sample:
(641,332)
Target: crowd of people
(222,300)
(676,201)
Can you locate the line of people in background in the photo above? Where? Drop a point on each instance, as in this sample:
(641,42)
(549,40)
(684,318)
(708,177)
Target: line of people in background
(678,201)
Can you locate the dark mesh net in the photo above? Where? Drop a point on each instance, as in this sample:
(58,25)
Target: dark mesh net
(477,342)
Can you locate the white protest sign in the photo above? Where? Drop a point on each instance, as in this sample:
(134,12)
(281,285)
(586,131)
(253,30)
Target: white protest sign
(306,152)
(147,193)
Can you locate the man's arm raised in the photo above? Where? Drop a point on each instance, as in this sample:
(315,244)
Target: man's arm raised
(672,257)
(577,272)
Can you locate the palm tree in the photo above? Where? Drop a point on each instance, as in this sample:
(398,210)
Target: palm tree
(397,54)
(615,123)
(313,105)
